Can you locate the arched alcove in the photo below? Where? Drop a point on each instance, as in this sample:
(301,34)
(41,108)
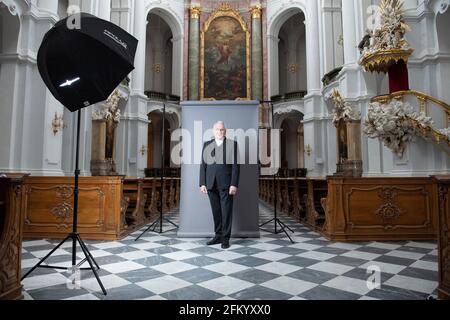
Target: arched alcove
(287,52)
(158,55)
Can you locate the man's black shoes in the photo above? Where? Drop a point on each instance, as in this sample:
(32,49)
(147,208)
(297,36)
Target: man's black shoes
(225,244)
(214,241)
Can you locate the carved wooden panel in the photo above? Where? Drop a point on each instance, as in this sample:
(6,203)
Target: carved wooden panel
(11,221)
(48,205)
(391,208)
(381,209)
(444,237)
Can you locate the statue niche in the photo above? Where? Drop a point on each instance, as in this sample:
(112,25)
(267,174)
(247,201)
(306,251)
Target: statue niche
(104,125)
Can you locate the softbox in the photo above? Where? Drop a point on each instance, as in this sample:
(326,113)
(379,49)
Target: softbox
(82,63)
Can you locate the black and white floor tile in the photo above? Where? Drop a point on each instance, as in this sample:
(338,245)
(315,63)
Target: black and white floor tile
(270,268)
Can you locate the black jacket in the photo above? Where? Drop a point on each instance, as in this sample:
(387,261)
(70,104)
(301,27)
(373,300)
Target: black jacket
(226,171)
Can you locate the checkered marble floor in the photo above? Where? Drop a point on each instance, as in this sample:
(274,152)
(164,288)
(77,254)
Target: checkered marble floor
(162,266)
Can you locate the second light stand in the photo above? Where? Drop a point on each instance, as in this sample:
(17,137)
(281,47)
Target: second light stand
(277,222)
(159,222)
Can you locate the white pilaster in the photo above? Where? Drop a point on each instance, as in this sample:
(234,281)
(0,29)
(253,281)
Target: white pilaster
(313,47)
(274,75)
(349,23)
(138,75)
(177,67)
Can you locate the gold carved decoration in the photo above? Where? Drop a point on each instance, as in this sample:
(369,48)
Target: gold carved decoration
(256,11)
(63,210)
(386,44)
(389,210)
(195,12)
(143,150)
(157,68)
(58,123)
(381,61)
(308,150)
(293,68)
(225,10)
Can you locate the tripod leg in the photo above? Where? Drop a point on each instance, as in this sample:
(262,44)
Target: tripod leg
(46,257)
(148,229)
(155,225)
(88,258)
(171,222)
(287,227)
(262,225)
(85,248)
(284,230)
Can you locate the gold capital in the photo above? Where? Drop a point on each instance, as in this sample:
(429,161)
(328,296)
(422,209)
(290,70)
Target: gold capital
(195,12)
(256,11)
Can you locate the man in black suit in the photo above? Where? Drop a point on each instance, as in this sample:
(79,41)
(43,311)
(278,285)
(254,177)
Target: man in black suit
(219,179)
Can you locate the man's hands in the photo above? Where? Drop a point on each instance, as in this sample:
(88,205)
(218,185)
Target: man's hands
(232,192)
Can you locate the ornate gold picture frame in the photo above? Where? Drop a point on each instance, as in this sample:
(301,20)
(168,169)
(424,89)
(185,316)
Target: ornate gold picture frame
(225,57)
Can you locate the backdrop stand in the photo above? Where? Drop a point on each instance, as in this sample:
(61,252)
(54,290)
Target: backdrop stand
(277,222)
(74,236)
(159,222)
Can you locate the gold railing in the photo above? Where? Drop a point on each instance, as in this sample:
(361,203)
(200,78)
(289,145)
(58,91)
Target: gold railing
(422,99)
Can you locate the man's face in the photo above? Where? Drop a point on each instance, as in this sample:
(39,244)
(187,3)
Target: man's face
(220,131)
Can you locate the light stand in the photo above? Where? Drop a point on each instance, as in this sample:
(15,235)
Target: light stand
(75,236)
(276,220)
(159,221)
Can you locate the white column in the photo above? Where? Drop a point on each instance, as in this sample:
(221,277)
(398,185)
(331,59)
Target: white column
(138,75)
(349,24)
(313,47)
(104,9)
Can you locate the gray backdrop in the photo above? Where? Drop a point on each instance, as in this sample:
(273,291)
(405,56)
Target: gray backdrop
(196,219)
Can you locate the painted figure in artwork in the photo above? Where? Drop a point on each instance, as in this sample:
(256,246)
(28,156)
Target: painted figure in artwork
(225,52)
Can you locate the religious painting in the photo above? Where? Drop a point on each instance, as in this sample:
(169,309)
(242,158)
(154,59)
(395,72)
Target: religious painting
(225,60)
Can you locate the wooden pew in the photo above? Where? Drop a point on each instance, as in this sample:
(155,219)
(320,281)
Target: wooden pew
(150,189)
(315,214)
(133,190)
(299,198)
(11,228)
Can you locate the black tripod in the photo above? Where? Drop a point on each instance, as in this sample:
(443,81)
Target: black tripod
(153,227)
(74,236)
(276,220)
